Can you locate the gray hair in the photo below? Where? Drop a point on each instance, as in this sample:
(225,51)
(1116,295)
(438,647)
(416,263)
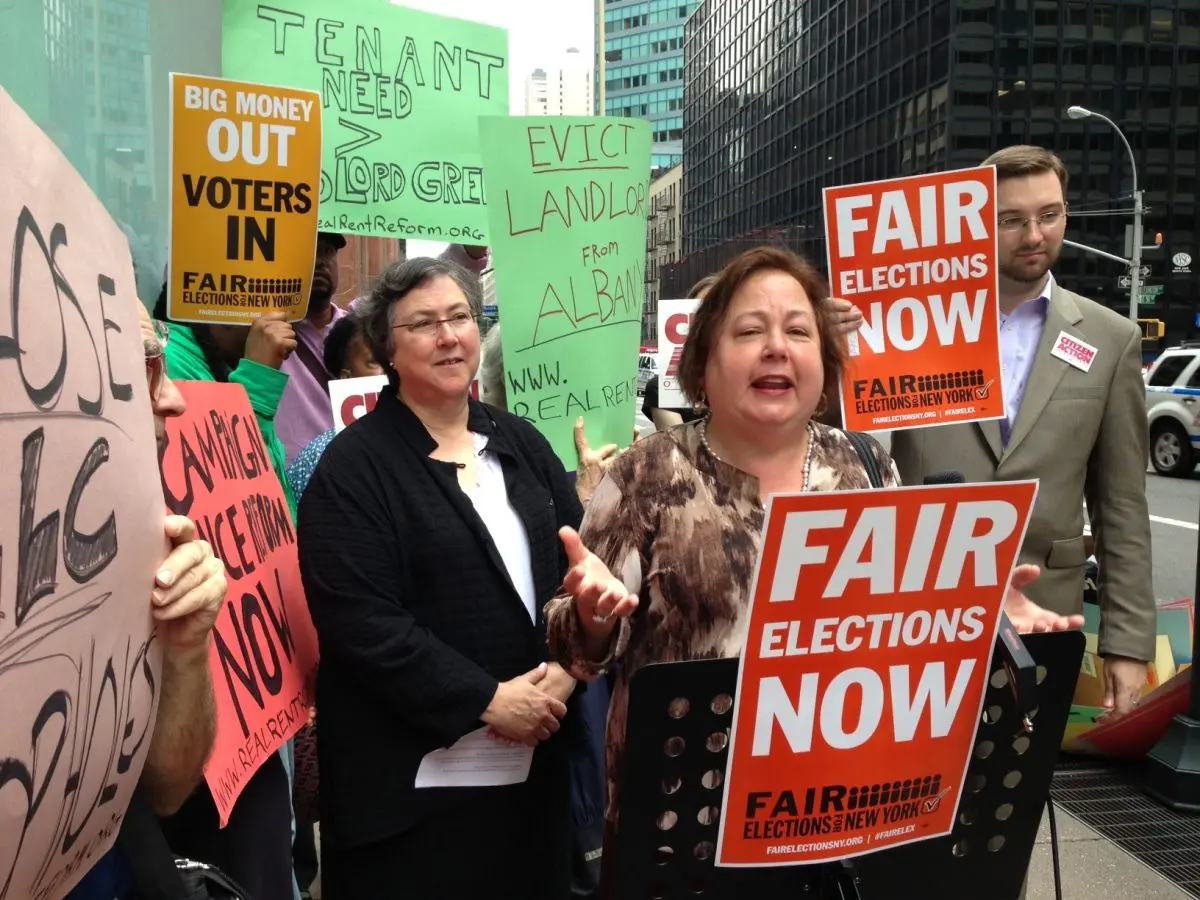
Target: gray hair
(396,282)
(491,371)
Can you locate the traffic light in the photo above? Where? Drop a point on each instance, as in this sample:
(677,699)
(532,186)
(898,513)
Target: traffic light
(1152,329)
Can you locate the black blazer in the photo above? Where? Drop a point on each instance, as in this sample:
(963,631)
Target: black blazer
(417,618)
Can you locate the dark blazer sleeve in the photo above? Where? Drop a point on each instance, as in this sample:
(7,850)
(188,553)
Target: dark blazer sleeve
(1116,498)
(650,397)
(351,562)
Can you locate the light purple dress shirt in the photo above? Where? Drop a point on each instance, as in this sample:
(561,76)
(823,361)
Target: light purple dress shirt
(1020,333)
(305,411)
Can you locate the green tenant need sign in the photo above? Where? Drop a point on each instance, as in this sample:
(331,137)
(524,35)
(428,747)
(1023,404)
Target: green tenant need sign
(401,94)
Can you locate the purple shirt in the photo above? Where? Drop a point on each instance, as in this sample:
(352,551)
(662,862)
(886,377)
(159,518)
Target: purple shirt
(1020,333)
(305,411)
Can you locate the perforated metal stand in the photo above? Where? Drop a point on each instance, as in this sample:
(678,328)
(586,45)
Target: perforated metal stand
(674,768)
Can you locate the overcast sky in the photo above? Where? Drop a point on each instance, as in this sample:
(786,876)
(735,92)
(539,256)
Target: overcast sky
(539,33)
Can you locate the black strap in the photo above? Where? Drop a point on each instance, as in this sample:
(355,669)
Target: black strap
(866,453)
(314,365)
(148,855)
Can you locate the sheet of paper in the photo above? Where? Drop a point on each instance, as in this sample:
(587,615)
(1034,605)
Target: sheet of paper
(475,761)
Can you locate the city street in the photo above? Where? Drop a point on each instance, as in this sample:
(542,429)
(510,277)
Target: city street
(1174,510)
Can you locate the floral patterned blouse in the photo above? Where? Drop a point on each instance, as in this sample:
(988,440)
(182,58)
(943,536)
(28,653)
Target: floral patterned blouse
(681,529)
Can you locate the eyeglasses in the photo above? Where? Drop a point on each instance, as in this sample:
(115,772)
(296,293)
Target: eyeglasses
(459,322)
(156,361)
(1045,221)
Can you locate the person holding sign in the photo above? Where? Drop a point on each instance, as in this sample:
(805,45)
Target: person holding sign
(189,589)
(428,547)
(250,356)
(346,355)
(1075,419)
(680,514)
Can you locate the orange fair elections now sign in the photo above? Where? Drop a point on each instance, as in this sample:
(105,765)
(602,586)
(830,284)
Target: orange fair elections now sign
(872,623)
(918,257)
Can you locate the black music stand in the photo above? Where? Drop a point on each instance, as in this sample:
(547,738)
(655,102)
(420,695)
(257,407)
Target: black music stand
(674,768)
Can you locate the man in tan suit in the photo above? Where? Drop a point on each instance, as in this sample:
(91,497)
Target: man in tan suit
(1075,398)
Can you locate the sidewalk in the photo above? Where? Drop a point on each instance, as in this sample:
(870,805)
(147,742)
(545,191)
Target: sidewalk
(1092,866)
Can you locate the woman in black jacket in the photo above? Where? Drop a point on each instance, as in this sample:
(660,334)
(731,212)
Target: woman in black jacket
(429,545)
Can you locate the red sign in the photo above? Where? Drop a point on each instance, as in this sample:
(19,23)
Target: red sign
(918,257)
(872,624)
(216,470)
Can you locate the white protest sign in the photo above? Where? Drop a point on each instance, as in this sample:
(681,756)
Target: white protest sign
(674,318)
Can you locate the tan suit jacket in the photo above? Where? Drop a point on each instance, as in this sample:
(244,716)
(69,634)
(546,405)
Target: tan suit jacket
(1083,435)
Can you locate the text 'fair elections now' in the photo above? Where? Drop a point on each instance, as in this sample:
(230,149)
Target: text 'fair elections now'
(892,558)
(945,215)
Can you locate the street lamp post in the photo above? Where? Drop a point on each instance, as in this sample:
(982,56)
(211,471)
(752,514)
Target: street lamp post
(1135,264)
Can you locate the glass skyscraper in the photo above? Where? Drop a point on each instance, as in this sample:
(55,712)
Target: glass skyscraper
(786,97)
(640,70)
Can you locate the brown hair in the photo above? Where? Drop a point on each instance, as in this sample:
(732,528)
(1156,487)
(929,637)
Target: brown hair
(710,315)
(1024,160)
(702,287)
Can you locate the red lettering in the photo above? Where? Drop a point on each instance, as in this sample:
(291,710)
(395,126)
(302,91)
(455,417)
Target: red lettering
(677,328)
(352,405)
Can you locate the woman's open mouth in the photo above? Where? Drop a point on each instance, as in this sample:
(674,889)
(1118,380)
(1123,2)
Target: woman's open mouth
(772,384)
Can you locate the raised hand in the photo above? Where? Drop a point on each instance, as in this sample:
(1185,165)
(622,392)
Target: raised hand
(592,463)
(189,590)
(600,597)
(271,340)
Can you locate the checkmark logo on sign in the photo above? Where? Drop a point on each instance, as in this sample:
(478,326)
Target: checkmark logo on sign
(931,805)
(982,392)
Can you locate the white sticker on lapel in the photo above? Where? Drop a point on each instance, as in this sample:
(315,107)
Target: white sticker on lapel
(1073,351)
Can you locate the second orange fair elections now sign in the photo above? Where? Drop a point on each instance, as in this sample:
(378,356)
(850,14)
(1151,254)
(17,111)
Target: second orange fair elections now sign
(872,623)
(918,257)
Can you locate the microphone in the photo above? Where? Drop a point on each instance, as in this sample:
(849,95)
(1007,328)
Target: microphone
(1018,663)
(945,478)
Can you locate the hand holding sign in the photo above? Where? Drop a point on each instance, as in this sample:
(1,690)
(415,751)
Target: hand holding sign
(1027,617)
(847,318)
(599,595)
(190,588)
(271,340)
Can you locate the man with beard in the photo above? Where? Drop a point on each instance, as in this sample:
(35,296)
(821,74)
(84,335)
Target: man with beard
(1076,420)
(304,411)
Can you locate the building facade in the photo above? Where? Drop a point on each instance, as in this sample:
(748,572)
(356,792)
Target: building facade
(565,90)
(639,72)
(93,74)
(664,233)
(786,97)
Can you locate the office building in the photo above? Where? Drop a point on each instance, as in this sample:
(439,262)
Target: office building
(663,242)
(786,97)
(93,74)
(639,72)
(564,90)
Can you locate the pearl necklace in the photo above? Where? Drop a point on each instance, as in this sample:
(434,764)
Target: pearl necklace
(808,451)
